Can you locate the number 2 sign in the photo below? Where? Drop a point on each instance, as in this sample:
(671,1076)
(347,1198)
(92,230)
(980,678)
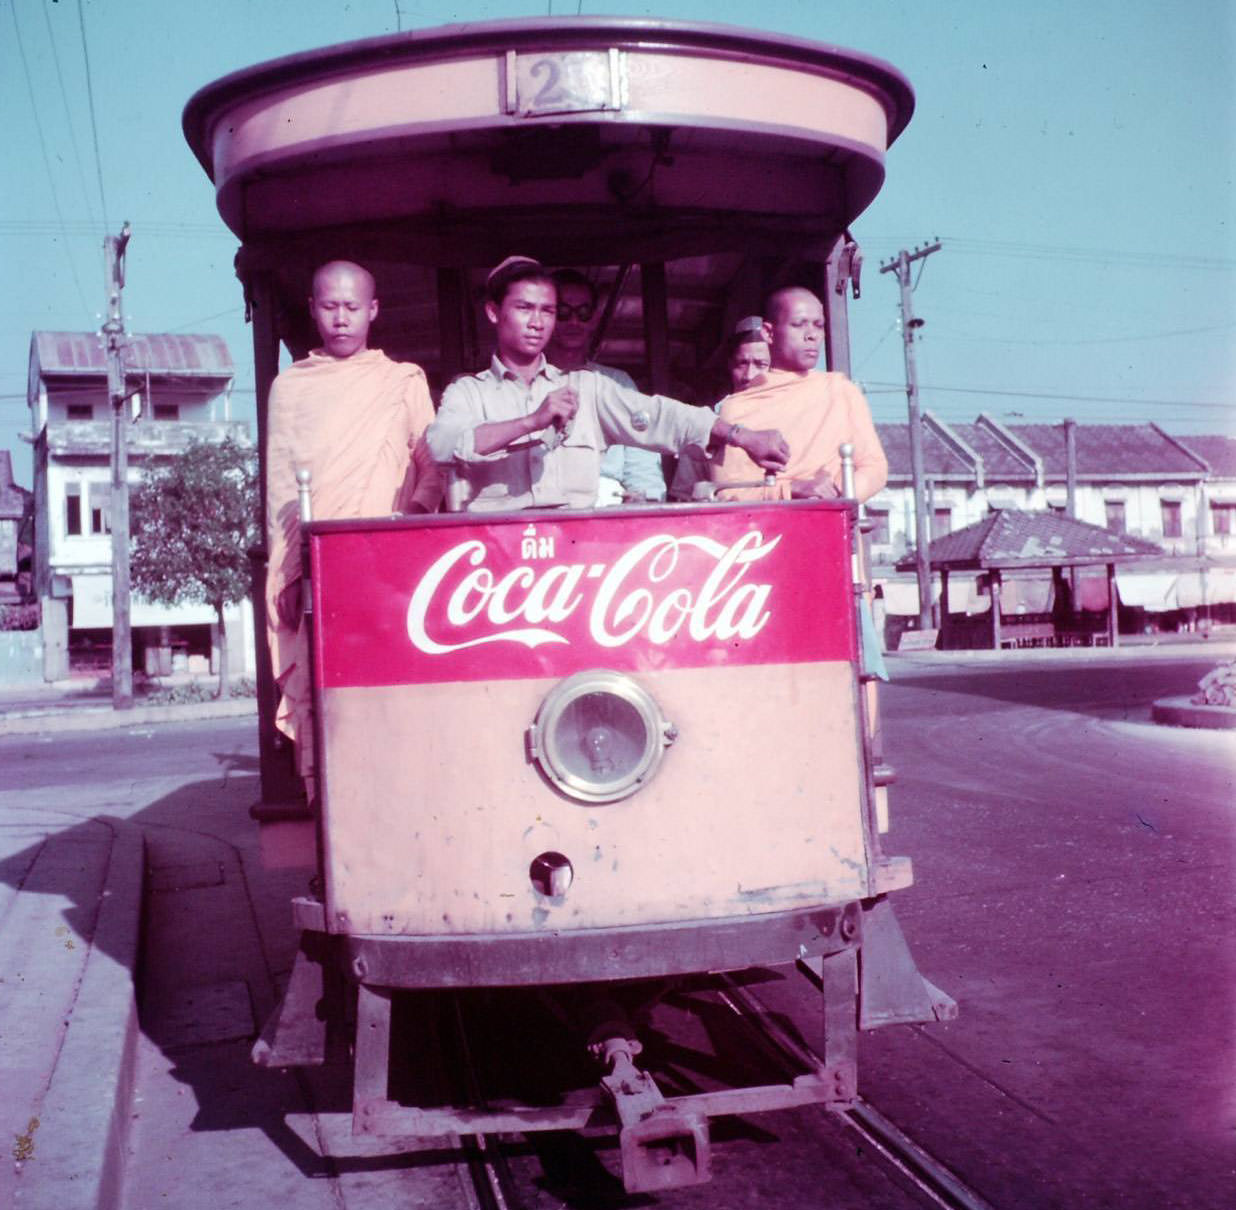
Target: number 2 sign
(578,81)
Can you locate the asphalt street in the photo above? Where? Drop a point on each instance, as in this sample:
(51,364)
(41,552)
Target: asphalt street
(1074,891)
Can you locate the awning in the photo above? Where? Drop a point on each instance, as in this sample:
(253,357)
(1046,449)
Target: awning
(1151,590)
(1161,591)
(901,597)
(92,608)
(1210,587)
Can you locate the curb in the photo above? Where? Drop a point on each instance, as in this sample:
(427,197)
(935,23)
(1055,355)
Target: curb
(55,719)
(84,1129)
(1184,712)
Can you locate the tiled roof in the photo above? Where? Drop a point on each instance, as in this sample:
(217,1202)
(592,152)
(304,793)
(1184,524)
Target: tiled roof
(1013,538)
(1109,449)
(180,354)
(1219,452)
(938,458)
(999,462)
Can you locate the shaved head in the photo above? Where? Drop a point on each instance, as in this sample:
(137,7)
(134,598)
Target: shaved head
(794,329)
(780,301)
(343,306)
(340,270)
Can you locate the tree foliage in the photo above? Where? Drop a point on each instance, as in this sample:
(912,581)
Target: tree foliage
(192,523)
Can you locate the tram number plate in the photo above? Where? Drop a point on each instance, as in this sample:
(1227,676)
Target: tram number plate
(574,81)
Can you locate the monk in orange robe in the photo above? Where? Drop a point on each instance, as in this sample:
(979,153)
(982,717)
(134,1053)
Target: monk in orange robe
(356,421)
(816,413)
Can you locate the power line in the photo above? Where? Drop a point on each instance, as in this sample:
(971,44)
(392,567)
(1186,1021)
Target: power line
(68,114)
(94,126)
(1093,340)
(38,125)
(889,387)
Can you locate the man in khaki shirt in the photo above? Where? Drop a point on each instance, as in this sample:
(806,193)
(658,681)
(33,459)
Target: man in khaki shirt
(524,434)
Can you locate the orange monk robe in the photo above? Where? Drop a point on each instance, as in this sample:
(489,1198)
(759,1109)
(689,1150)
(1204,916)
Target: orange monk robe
(816,414)
(357,425)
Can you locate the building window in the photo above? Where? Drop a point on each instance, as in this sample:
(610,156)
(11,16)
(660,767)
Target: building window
(1171,518)
(941,521)
(879,526)
(72,508)
(100,508)
(1222,517)
(167,411)
(1115,516)
(80,411)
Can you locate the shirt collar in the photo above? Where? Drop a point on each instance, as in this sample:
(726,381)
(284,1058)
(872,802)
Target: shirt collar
(502,372)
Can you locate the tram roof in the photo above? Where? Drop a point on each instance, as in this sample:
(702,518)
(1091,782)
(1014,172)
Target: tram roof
(432,123)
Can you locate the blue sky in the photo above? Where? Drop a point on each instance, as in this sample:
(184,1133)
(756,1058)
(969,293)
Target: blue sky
(1076,160)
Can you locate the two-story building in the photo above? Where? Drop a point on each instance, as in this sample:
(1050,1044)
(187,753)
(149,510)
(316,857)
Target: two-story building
(181,388)
(1134,479)
(1129,478)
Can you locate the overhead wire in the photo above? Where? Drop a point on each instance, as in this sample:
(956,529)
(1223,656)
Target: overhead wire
(68,115)
(51,181)
(94,125)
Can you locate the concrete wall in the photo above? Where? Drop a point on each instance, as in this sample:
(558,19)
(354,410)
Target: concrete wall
(21,657)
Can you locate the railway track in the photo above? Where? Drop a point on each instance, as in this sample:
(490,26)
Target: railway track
(489,1182)
(928,1175)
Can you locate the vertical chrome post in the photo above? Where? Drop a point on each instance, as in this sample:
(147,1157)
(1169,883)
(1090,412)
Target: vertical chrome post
(303,497)
(847,471)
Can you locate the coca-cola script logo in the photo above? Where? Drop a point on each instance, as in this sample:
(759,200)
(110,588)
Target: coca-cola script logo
(642,595)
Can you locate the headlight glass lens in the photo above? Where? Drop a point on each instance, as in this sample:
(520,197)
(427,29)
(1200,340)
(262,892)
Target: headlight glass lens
(600,736)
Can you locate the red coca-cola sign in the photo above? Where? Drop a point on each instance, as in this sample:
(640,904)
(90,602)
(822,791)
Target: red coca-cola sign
(542,595)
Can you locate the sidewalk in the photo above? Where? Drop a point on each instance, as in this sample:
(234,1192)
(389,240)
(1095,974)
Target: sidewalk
(1131,649)
(73,866)
(86,705)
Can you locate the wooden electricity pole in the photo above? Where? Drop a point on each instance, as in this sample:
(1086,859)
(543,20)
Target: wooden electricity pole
(113,335)
(909,326)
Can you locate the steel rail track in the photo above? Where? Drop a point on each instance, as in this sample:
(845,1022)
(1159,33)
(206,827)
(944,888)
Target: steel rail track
(913,1162)
(492,1182)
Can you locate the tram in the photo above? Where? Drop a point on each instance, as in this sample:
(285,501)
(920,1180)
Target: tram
(566,749)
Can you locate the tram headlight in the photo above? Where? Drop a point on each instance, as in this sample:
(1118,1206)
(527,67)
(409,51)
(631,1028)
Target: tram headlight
(599,736)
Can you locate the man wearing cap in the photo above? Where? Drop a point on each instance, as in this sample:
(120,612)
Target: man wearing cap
(524,434)
(356,421)
(817,412)
(627,472)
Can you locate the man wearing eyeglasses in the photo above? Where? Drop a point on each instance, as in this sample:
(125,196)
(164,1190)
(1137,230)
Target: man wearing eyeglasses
(627,472)
(525,434)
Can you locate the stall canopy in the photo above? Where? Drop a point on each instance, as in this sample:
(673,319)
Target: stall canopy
(1010,540)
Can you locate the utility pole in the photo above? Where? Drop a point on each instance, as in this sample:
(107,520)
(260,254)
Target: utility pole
(909,326)
(113,335)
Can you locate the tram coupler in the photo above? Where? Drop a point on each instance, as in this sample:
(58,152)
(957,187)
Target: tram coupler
(661,1146)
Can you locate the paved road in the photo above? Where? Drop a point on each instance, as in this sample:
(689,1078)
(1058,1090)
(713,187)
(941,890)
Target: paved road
(1074,891)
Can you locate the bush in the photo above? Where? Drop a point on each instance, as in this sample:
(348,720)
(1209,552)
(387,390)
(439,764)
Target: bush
(197,691)
(20,617)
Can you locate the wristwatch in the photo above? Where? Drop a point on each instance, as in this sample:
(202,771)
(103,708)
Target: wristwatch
(732,435)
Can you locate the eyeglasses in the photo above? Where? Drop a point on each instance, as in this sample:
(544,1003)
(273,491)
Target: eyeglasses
(583,312)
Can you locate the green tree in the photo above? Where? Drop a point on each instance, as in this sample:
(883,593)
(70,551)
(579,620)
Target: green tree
(192,523)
